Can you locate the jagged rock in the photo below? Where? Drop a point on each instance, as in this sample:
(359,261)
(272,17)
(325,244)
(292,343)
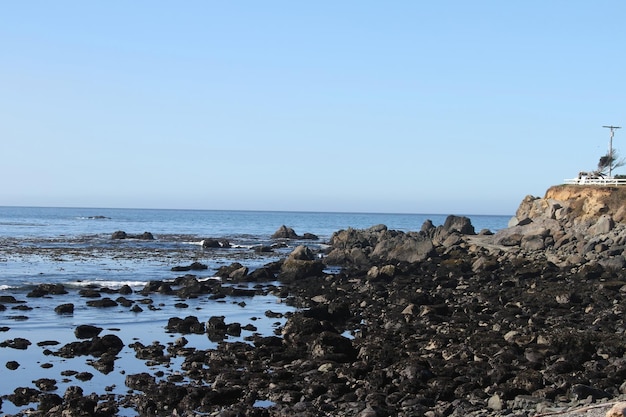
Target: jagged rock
(459,224)
(302,253)
(403,247)
(285,232)
(238,274)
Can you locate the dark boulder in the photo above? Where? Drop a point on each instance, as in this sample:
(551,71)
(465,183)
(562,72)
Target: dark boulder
(102,303)
(215,243)
(22,396)
(120,234)
(86,331)
(459,224)
(107,345)
(18,343)
(189,324)
(67,308)
(194,266)
(47,289)
(332,346)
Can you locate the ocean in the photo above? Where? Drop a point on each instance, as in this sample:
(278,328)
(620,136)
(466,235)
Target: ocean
(74,247)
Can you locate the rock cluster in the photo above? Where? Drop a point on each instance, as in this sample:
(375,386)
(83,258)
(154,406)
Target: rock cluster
(120,234)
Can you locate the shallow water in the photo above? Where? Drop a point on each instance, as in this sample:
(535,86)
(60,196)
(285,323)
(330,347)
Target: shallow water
(145,327)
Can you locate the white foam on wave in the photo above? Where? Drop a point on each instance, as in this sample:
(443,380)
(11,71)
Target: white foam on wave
(5,287)
(108,284)
(209,279)
(242,246)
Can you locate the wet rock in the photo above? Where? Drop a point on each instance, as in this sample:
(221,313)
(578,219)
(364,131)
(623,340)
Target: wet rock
(194,266)
(124,302)
(154,352)
(17,343)
(105,364)
(238,274)
(67,308)
(9,299)
(125,290)
(120,234)
(581,392)
(140,382)
(334,347)
(47,289)
(89,293)
(105,302)
(215,243)
(86,331)
(12,365)
(22,396)
(189,324)
(84,376)
(45,384)
(108,344)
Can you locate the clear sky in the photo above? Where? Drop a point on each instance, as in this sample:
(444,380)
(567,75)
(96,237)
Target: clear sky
(450,107)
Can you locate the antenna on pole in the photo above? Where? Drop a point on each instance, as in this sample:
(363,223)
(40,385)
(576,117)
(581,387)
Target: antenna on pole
(611,147)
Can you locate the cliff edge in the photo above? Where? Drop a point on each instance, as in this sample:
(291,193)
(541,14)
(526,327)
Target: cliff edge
(570,226)
(577,203)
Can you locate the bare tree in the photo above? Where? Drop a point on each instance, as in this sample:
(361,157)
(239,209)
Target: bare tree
(609,162)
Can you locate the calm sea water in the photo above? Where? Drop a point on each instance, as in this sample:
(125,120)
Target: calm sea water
(73,246)
(51,222)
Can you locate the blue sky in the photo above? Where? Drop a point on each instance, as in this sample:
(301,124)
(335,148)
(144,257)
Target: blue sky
(451,107)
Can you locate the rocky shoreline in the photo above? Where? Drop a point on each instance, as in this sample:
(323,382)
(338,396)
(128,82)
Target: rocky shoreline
(438,322)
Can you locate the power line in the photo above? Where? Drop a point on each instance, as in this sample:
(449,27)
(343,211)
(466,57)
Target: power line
(611,148)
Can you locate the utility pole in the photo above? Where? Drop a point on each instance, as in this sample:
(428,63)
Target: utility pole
(611,148)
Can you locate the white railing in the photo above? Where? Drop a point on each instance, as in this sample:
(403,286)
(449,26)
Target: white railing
(596,181)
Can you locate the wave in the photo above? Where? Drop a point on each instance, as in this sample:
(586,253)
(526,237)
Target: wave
(106,283)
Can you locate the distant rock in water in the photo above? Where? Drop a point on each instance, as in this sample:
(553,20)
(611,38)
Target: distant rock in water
(285,232)
(120,234)
(195,266)
(215,243)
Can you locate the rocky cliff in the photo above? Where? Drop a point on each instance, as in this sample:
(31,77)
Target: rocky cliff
(579,204)
(571,226)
